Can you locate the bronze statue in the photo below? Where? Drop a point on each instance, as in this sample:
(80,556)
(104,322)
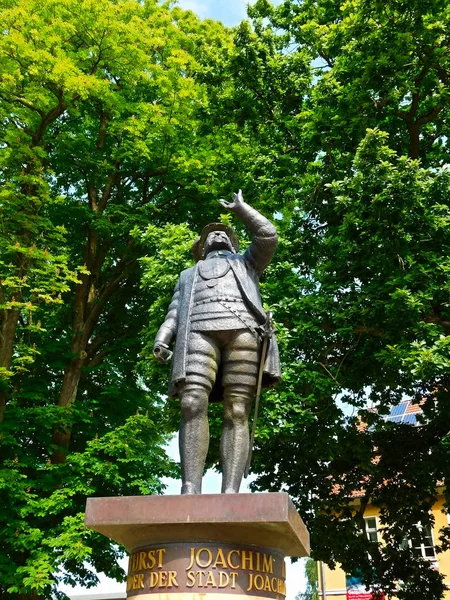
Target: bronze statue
(217,318)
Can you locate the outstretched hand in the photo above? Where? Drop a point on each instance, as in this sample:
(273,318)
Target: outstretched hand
(238,199)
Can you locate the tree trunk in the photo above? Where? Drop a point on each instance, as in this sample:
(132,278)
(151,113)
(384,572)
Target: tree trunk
(414,139)
(8,327)
(90,299)
(30,596)
(68,393)
(88,305)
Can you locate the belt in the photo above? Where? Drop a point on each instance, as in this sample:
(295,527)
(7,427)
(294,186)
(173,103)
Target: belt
(255,330)
(258,331)
(220,300)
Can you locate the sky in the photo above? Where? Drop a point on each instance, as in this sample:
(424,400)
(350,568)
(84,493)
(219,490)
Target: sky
(230,12)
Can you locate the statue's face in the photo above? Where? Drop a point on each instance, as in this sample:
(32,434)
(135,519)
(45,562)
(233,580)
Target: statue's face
(217,240)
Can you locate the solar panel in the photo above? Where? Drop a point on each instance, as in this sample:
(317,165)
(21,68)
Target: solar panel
(395,419)
(399,409)
(398,413)
(410,419)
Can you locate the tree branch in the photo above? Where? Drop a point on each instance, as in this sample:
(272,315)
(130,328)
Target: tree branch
(112,179)
(430,116)
(24,103)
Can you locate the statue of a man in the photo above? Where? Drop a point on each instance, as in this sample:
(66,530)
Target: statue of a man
(217,319)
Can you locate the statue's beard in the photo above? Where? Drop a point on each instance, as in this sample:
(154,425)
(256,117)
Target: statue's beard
(217,244)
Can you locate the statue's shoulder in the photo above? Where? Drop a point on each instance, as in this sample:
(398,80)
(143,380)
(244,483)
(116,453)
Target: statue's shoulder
(187,273)
(236,258)
(239,261)
(242,264)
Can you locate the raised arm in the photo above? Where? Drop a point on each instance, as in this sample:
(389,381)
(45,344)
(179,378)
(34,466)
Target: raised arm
(264,234)
(167,331)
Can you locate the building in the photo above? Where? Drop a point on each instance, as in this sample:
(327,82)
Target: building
(337,585)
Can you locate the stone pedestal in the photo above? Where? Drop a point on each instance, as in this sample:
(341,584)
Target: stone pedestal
(214,545)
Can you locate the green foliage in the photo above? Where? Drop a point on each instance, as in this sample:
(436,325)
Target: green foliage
(361,288)
(47,520)
(122,123)
(101,115)
(312,582)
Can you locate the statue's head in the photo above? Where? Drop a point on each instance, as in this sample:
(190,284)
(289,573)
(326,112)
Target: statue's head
(215,236)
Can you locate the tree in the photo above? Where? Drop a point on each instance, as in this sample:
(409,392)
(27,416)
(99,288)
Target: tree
(100,108)
(360,333)
(312,581)
(377,64)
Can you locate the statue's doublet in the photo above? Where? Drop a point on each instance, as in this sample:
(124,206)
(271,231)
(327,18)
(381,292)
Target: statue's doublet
(218,303)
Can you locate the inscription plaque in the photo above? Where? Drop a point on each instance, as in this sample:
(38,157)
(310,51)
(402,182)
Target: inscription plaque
(199,568)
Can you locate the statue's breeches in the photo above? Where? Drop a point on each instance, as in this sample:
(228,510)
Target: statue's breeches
(235,352)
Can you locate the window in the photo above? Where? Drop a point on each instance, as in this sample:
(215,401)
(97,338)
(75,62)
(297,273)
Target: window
(371,528)
(421,542)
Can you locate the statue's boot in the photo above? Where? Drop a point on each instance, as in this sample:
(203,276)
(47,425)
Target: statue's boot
(234,443)
(189,488)
(194,437)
